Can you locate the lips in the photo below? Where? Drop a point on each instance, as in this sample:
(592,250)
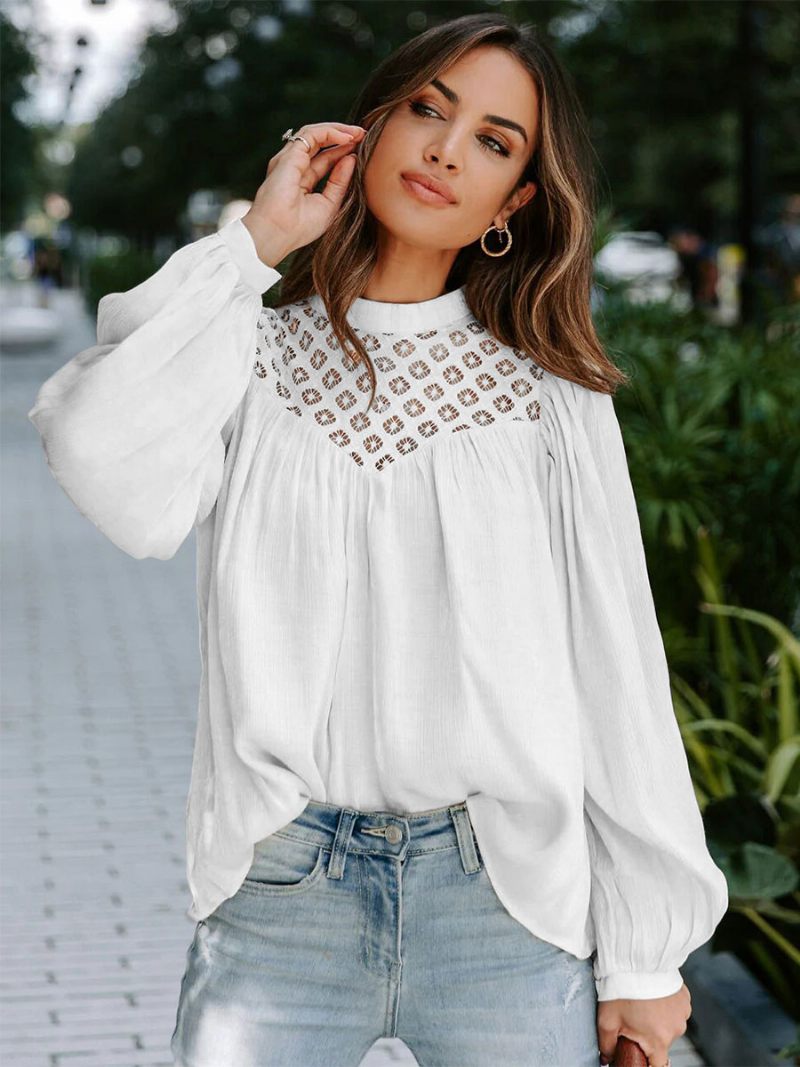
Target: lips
(429,182)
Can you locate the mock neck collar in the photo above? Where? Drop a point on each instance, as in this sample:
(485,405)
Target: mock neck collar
(378,316)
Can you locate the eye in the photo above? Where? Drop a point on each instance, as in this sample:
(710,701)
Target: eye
(419,109)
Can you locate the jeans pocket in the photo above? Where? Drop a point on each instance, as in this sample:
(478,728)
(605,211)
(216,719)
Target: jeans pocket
(284,865)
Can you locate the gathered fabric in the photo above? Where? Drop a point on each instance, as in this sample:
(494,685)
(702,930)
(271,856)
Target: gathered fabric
(441,597)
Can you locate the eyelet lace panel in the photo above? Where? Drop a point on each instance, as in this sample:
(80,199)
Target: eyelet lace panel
(441,380)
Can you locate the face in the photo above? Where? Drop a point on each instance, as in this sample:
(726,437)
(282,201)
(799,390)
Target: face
(451,130)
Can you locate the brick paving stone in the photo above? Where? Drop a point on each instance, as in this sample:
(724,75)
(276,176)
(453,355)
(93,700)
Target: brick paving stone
(100,665)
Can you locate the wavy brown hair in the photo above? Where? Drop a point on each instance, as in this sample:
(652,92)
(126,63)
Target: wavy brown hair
(536,297)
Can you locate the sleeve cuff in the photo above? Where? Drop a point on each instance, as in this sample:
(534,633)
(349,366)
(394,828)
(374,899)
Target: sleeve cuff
(638,985)
(254,270)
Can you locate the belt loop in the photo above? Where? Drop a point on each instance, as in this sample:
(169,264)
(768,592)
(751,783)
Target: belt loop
(341,841)
(466,842)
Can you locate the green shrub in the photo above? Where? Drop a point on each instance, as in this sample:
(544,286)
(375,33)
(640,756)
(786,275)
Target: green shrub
(711,431)
(742,738)
(713,443)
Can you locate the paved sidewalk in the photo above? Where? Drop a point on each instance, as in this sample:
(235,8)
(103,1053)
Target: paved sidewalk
(100,673)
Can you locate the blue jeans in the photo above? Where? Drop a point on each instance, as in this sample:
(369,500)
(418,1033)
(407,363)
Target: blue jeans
(351,926)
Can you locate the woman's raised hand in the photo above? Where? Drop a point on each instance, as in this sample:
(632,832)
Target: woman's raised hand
(286,214)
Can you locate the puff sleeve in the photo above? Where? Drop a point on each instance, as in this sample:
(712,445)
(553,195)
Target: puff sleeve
(656,893)
(135,428)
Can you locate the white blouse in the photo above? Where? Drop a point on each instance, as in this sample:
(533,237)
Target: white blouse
(395,615)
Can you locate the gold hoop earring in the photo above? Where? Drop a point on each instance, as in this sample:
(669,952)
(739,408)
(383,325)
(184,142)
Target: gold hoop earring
(505,230)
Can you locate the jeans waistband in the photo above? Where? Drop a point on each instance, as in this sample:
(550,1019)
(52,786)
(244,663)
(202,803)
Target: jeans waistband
(343,829)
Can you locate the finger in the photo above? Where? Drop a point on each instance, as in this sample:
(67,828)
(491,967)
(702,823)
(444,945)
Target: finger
(349,126)
(296,153)
(322,164)
(325,159)
(336,185)
(607,1043)
(658,1055)
(310,166)
(318,136)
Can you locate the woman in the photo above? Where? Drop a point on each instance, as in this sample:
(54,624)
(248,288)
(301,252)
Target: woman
(438,789)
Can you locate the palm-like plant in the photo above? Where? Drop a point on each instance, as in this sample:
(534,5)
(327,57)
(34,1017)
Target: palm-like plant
(714,452)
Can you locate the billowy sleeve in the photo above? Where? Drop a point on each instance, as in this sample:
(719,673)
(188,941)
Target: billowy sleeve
(135,428)
(656,893)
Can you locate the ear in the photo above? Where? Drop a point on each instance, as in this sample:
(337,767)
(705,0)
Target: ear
(518,199)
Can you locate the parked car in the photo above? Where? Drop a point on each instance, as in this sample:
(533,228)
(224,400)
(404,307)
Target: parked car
(643,261)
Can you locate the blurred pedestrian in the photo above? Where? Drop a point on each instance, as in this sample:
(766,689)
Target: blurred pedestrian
(47,270)
(699,271)
(781,242)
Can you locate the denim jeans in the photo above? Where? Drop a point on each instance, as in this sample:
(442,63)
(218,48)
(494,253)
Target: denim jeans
(353,925)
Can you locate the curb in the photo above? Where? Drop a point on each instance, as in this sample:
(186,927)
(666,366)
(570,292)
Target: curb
(734,1021)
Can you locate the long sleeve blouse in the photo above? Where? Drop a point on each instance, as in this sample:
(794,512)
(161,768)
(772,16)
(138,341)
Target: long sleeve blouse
(442,597)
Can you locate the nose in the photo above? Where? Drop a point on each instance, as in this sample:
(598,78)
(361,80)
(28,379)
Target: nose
(444,155)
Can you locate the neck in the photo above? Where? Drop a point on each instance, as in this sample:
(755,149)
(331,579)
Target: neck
(408,274)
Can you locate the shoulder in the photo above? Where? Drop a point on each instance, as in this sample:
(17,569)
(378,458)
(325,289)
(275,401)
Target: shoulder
(277,326)
(285,336)
(586,400)
(577,408)
(299,323)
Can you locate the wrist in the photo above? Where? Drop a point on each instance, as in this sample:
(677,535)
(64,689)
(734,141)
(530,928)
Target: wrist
(254,272)
(271,246)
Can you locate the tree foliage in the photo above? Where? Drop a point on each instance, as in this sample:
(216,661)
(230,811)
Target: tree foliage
(17,140)
(660,82)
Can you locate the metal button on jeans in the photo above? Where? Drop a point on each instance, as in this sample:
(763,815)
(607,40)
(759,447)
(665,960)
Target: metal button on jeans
(393,834)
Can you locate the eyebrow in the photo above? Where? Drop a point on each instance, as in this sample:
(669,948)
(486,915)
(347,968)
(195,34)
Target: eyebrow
(498,120)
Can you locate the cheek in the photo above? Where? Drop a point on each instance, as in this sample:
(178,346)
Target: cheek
(376,185)
(381,177)
(389,155)
(489,191)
